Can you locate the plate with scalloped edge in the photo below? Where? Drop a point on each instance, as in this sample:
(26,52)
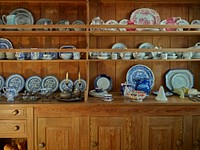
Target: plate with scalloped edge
(51,82)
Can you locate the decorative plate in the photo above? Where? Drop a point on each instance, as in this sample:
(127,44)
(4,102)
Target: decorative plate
(22,19)
(16,81)
(139,72)
(33,84)
(103,81)
(97,94)
(2,82)
(50,82)
(80,84)
(111,22)
(78,22)
(29,15)
(119,46)
(44,21)
(145,16)
(5,43)
(97,21)
(123,22)
(63,86)
(196,22)
(63,22)
(176,75)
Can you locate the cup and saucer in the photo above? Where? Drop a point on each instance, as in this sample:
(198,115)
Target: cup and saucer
(98,92)
(107,97)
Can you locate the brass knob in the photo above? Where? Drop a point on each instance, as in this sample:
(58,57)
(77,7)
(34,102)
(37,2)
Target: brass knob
(179,143)
(41,145)
(196,143)
(16,128)
(15,112)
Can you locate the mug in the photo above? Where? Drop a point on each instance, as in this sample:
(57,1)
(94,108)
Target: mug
(10,93)
(20,55)
(9,19)
(76,55)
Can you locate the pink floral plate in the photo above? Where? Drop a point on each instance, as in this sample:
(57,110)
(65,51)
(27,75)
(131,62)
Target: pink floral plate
(145,16)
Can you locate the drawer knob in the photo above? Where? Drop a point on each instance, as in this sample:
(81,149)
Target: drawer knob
(15,112)
(16,128)
(41,145)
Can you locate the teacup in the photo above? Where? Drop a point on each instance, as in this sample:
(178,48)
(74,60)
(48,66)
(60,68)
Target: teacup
(108,96)
(98,90)
(10,55)
(36,55)
(20,55)
(10,93)
(187,55)
(66,55)
(47,57)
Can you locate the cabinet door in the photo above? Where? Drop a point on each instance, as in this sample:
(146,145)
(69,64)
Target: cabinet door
(58,133)
(110,133)
(196,132)
(162,132)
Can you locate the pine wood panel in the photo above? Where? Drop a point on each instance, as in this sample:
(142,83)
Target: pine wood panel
(161,132)
(112,133)
(196,132)
(58,133)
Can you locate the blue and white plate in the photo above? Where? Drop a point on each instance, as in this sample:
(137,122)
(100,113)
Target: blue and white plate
(63,86)
(138,72)
(2,82)
(33,84)
(16,81)
(103,81)
(5,43)
(81,85)
(50,82)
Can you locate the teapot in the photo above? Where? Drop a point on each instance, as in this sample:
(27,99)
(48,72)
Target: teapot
(65,95)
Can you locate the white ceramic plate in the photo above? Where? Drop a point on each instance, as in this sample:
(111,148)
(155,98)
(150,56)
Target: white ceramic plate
(119,46)
(50,82)
(103,81)
(33,84)
(196,22)
(180,81)
(44,21)
(16,81)
(111,22)
(123,22)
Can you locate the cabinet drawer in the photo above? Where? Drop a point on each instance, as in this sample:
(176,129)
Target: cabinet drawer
(13,112)
(12,127)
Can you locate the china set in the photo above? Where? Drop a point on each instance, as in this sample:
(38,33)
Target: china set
(15,83)
(21,16)
(144,16)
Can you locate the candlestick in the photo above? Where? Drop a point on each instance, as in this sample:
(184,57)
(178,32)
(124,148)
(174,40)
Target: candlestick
(67,77)
(79,78)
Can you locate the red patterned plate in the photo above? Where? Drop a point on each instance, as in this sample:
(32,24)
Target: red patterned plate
(145,16)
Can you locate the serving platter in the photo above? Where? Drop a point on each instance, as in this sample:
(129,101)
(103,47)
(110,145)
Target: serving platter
(178,78)
(145,16)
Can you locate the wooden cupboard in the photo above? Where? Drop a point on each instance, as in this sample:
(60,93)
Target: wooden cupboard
(93,125)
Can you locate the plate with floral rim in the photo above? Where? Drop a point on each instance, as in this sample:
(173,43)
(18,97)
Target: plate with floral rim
(33,83)
(50,82)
